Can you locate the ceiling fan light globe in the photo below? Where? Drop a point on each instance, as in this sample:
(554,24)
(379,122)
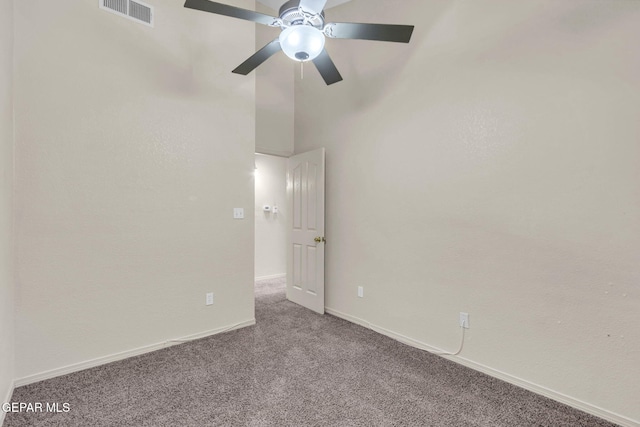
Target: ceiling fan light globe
(302,42)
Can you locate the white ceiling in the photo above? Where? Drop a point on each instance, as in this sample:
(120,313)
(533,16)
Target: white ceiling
(275,4)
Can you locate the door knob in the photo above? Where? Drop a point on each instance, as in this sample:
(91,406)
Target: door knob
(320,240)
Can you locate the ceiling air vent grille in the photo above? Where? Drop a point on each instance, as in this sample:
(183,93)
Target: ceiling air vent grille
(135,10)
(119,6)
(140,11)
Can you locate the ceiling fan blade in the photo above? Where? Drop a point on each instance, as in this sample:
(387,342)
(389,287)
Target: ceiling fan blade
(327,68)
(232,11)
(258,58)
(379,32)
(313,6)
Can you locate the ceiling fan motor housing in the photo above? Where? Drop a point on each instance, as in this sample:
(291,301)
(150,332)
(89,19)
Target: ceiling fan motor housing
(290,14)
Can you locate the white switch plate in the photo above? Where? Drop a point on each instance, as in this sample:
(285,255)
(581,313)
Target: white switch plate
(360,292)
(464,320)
(238,213)
(209,298)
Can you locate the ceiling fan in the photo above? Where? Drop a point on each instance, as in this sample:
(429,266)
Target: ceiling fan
(303,33)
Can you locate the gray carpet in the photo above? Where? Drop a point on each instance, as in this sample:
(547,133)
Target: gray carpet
(294,368)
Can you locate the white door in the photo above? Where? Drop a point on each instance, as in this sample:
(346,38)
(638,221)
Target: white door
(305,253)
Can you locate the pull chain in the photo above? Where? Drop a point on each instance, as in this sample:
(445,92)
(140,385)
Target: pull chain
(301,70)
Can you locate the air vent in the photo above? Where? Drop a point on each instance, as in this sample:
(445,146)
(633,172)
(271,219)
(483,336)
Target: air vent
(140,11)
(135,10)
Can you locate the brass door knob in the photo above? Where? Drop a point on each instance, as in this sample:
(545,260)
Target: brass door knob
(320,240)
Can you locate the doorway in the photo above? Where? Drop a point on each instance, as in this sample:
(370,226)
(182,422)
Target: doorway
(270,217)
(290,224)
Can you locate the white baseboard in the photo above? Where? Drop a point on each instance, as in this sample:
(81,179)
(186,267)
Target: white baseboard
(273,276)
(7,399)
(125,354)
(527,385)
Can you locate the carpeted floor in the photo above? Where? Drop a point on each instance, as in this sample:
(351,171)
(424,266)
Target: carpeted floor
(294,368)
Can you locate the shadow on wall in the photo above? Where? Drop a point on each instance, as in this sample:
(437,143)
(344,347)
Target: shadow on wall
(186,53)
(582,24)
(370,68)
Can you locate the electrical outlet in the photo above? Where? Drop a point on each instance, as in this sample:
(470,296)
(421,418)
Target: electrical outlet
(464,320)
(209,298)
(360,292)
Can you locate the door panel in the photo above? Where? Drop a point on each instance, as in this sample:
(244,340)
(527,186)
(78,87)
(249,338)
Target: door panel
(297,197)
(312,196)
(305,265)
(297,266)
(312,254)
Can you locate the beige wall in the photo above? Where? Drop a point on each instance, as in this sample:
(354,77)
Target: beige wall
(271,228)
(274,95)
(491,166)
(133,146)
(6,202)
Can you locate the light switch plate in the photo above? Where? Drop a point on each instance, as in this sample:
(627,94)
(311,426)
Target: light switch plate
(238,213)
